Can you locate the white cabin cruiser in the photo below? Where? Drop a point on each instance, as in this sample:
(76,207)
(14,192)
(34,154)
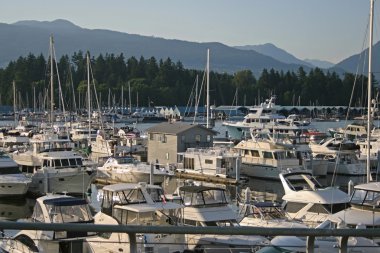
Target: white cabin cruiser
(115,146)
(139,205)
(365,207)
(208,206)
(341,154)
(323,244)
(259,118)
(306,200)
(126,169)
(265,158)
(54,209)
(54,167)
(265,214)
(215,161)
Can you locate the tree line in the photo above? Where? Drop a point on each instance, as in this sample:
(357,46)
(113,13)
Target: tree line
(164,82)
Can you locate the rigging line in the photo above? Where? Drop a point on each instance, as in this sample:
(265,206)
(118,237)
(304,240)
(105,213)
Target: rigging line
(59,84)
(191,97)
(72,86)
(200,94)
(357,71)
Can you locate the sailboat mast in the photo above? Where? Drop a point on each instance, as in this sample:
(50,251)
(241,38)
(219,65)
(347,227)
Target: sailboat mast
(51,81)
(14,103)
(196,99)
(369,115)
(208,90)
(129,97)
(88,97)
(122,100)
(34,99)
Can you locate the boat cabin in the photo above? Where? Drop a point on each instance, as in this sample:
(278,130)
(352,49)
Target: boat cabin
(366,196)
(203,196)
(127,194)
(139,204)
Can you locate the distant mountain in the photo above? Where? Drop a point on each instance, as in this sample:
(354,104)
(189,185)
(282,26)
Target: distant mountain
(319,63)
(24,37)
(276,53)
(360,62)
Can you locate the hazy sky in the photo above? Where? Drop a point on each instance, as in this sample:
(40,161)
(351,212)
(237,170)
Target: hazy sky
(318,29)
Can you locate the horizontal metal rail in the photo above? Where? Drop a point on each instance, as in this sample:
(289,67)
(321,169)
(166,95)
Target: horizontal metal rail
(311,233)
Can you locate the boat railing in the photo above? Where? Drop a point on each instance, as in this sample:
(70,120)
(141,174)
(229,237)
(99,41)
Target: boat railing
(272,162)
(134,230)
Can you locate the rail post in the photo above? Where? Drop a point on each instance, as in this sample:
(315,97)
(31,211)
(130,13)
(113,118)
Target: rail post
(310,244)
(343,244)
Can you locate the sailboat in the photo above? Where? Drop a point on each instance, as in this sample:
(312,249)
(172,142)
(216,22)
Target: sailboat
(52,164)
(365,199)
(210,121)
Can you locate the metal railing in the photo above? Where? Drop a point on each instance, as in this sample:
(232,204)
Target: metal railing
(310,233)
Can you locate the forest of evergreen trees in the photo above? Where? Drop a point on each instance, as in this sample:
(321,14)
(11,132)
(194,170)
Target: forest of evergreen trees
(163,82)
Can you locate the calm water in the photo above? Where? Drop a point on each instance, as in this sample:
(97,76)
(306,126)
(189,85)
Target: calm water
(11,209)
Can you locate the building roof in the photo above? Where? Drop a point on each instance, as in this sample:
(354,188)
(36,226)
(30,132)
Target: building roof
(175,128)
(231,108)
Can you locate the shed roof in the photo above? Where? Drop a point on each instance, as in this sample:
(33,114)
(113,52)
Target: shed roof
(175,128)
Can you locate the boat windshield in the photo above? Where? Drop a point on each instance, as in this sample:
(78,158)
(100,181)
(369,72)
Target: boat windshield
(266,211)
(125,160)
(69,211)
(208,197)
(365,198)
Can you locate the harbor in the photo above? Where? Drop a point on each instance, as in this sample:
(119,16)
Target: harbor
(112,141)
(235,186)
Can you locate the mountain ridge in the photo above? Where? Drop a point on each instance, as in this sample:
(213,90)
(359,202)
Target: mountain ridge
(30,36)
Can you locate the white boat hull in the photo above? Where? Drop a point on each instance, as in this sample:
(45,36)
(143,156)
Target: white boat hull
(268,172)
(353,169)
(71,181)
(14,185)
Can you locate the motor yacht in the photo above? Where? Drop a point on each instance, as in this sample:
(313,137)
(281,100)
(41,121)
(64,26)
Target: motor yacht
(53,166)
(364,207)
(305,199)
(55,209)
(214,161)
(341,154)
(321,244)
(209,206)
(126,169)
(262,157)
(269,214)
(262,117)
(137,204)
